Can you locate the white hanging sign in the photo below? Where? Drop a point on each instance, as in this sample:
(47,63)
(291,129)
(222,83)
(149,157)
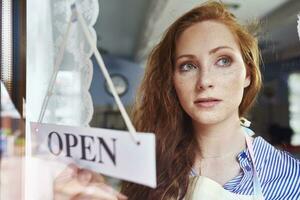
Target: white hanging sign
(109,152)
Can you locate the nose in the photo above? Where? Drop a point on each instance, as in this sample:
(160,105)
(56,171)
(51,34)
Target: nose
(205,79)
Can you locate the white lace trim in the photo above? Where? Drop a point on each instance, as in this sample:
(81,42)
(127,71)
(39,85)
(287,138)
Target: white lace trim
(71,102)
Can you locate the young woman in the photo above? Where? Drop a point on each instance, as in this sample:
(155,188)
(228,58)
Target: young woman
(200,80)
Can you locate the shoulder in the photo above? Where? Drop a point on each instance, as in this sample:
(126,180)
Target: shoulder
(267,155)
(276,168)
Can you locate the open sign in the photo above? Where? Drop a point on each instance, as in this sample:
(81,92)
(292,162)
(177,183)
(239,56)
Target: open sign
(110,152)
(57,146)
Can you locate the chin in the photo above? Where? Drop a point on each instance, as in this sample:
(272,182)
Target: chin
(206,120)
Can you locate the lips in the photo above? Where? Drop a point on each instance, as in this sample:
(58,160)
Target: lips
(207,102)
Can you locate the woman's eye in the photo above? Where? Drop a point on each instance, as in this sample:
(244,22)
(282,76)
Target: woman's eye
(224,62)
(187,66)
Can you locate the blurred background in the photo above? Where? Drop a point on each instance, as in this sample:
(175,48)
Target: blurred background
(127,30)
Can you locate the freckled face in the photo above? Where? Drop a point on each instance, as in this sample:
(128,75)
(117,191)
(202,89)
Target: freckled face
(210,74)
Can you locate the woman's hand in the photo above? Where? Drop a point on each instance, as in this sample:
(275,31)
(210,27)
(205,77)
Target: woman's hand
(80,184)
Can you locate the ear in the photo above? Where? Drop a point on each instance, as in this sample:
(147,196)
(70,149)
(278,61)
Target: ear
(247,78)
(247,81)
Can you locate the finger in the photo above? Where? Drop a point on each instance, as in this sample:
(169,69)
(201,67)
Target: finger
(81,197)
(67,174)
(75,190)
(121,196)
(112,191)
(85,176)
(91,176)
(98,178)
(96,192)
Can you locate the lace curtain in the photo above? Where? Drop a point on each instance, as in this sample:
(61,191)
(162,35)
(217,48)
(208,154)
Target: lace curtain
(75,72)
(70,102)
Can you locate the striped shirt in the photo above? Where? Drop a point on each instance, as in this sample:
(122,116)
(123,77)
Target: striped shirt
(278,172)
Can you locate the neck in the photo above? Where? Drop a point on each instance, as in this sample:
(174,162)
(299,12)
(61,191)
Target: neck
(219,140)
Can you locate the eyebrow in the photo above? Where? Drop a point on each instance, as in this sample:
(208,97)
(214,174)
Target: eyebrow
(212,51)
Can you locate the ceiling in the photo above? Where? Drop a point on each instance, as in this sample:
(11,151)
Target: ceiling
(119,25)
(130,28)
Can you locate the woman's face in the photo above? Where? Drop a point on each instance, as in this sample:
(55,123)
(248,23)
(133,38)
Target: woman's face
(210,74)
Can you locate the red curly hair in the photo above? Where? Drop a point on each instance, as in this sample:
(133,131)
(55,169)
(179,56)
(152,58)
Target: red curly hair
(157,108)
